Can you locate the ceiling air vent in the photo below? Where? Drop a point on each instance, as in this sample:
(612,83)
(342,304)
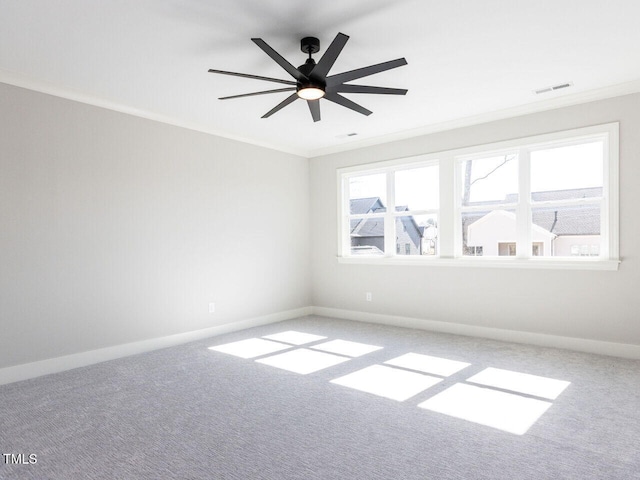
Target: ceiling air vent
(560,86)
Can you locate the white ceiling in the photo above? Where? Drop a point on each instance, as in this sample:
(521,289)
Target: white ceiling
(467,60)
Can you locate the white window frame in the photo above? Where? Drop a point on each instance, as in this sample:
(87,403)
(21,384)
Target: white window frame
(448,214)
(390,215)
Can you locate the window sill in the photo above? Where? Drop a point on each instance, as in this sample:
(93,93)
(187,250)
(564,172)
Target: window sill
(495,262)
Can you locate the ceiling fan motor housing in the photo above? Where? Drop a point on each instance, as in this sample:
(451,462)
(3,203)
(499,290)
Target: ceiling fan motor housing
(306,70)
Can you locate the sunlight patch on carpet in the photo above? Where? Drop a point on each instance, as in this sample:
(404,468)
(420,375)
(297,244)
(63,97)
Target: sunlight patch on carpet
(250,348)
(387,382)
(345,347)
(428,364)
(505,411)
(294,338)
(303,361)
(520,382)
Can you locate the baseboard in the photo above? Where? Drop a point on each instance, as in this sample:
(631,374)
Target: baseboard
(623,350)
(59,364)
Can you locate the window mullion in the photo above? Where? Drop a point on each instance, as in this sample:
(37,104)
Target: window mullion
(389,218)
(344,211)
(523,210)
(448,217)
(607,242)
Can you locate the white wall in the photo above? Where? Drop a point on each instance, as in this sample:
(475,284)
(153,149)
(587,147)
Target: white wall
(115,229)
(597,305)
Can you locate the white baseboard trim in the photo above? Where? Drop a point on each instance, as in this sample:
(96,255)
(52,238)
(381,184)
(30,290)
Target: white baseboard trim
(59,364)
(623,350)
(68,362)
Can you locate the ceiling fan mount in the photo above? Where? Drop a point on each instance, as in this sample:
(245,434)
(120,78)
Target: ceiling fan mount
(312,80)
(310,45)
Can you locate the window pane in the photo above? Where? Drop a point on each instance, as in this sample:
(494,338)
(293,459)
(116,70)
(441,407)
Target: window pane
(367,236)
(490,181)
(567,231)
(417,188)
(417,235)
(508,249)
(367,193)
(567,172)
(489,233)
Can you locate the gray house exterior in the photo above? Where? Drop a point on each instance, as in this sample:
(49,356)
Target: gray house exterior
(571,227)
(367,235)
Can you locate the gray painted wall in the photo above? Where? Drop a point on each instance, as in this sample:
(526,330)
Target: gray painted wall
(115,229)
(599,305)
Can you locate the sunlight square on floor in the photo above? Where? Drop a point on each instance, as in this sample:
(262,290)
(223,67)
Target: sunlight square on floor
(428,364)
(505,411)
(387,382)
(250,348)
(294,338)
(345,347)
(303,361)
(520,382)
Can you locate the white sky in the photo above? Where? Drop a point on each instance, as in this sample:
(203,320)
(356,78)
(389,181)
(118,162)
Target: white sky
(562,168)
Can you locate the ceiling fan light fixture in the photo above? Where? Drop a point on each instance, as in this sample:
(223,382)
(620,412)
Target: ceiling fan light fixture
(311,81)
(310,93)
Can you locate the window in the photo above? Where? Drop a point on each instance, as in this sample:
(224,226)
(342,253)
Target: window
(488,200)
(389,211)
(544,201)
(567,195)
(367,209)
(584,250)
(509,249)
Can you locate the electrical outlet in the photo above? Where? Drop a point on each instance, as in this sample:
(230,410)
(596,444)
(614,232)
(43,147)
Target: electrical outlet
(369,296)
(212,308)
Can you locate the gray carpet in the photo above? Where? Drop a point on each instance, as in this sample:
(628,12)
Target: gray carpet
(191,413)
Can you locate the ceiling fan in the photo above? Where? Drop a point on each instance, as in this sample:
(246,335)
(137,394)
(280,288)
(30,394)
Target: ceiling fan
(312,81)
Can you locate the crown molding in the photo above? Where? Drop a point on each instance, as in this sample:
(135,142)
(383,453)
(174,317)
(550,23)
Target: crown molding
(18,80)
(564,100)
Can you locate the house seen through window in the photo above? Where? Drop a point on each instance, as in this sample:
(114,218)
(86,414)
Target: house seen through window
(565,200)
(552,196)
(415,200)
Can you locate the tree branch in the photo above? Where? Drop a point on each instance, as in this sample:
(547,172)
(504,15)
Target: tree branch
(506,159)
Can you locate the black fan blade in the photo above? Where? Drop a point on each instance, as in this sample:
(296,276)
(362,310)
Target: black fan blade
(346,88)
(256,77)
(277,90)
(314,107)
(345,102)
(279,59)
(281,105)
(364,72)
(321,70)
